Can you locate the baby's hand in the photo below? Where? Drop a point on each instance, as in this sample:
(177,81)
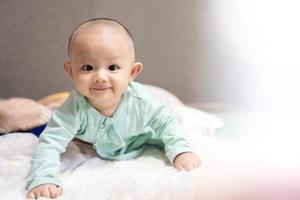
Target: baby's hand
(186,161)
(46,190)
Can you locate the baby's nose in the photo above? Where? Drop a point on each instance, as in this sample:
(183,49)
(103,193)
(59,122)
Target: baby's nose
(101,76)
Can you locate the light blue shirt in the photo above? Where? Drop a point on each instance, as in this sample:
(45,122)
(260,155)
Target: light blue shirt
(139,119)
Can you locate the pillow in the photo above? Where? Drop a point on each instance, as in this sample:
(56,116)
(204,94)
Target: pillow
(194,121)
(198,122)
(55,100)
(164,95)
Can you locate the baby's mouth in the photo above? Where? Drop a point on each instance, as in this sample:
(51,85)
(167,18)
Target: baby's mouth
(102,88)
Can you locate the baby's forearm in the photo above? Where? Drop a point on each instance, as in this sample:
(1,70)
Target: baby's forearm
(45,167)
(46,159)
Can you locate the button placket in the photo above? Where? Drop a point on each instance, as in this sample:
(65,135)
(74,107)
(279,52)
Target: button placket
(100,133)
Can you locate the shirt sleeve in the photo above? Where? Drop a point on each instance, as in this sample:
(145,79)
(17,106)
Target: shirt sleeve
(60,130)
(169,131)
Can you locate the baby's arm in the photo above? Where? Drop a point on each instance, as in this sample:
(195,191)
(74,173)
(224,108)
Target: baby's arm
(44,177)
(45,190)
(186,161)
(178,148)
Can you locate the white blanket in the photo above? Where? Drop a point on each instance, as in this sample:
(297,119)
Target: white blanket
(255,157)
(85,176)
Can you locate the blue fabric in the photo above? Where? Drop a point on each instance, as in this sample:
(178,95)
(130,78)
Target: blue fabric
(38,130)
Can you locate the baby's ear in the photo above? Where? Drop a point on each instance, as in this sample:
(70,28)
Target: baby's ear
(136,70)
(68,69)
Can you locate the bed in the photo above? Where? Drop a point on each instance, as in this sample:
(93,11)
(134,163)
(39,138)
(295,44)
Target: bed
(245,155)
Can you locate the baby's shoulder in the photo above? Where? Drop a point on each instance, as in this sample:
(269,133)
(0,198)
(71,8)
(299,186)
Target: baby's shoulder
(143,98)
(139,92)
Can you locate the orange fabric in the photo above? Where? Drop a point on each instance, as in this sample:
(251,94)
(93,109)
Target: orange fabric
(53,101)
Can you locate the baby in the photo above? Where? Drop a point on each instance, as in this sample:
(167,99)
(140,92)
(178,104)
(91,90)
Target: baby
(107,109)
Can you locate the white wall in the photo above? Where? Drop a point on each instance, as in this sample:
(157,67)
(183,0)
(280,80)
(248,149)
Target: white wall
(253,51)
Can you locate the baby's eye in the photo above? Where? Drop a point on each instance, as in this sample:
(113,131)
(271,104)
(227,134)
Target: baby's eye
(113,68)
(87,68)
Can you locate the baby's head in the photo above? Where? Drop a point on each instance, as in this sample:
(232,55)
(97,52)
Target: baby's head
(101,60)
(101,23)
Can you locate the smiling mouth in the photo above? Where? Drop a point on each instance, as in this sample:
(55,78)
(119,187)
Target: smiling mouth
(101,88)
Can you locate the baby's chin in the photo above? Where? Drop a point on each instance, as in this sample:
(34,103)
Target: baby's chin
(107,97)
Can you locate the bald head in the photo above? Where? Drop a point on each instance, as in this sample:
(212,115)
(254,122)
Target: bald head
(101,25)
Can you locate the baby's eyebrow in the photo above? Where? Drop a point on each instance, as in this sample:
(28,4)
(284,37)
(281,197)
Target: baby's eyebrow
(84,56)
(114,57)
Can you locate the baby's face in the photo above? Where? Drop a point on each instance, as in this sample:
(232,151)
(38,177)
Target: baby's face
(101,65)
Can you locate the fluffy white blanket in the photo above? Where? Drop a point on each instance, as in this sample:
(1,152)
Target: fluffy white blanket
(85,176)
(262,164)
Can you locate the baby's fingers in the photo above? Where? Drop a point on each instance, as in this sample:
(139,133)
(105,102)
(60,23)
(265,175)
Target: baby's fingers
(46,192)
(31,195)
(198,163)
(188,167)
(34,195)
(55,191)
(179,167)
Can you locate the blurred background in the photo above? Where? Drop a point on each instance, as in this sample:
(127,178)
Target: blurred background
(239,53)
